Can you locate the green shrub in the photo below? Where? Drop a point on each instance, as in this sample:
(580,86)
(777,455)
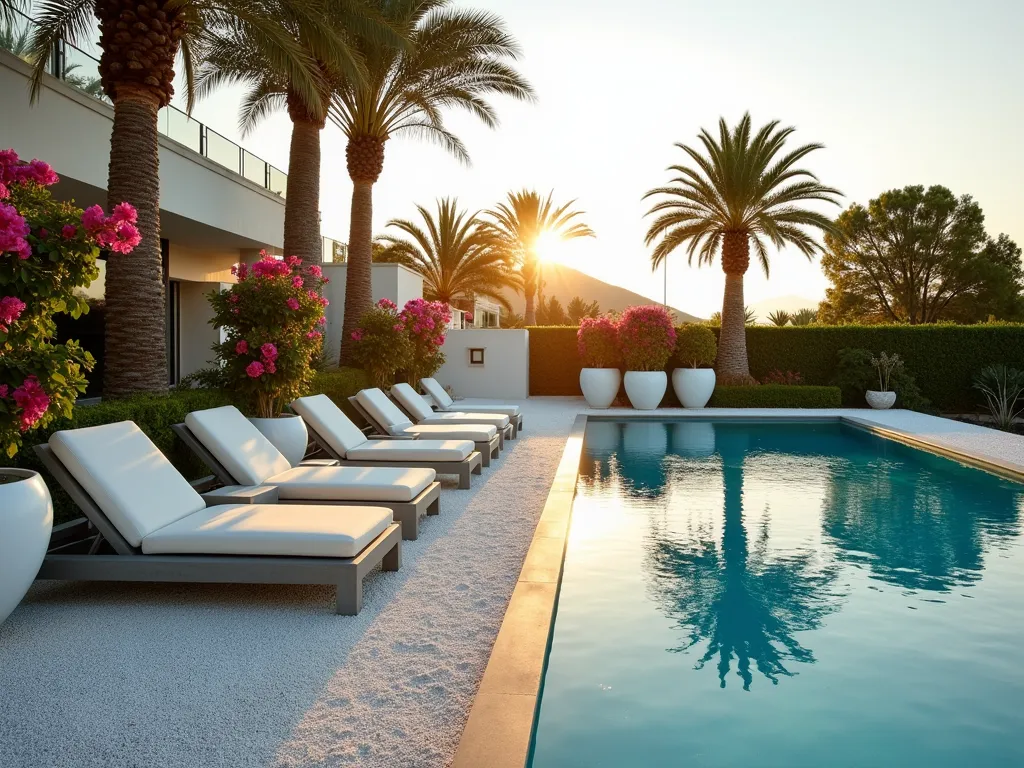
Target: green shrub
(696,347)
(856,374)
(776,396)
(339,385)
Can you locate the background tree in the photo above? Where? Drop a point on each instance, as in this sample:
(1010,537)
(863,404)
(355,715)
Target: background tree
(519,223)
(551,312)
(779,317)
(452,254)
(917,255)
(804,316)
(740,191)
(457,58)
(749,317)
(577,309)
(139,42)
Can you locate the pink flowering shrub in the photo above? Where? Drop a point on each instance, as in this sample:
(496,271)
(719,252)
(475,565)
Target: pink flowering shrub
(382,345)
(425,323)
(646,338)
(48,251)
(274,317)
(597,341)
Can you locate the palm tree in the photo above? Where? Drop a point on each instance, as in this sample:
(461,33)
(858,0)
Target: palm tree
(804,316)
(577,309)
(457,58)
(139,42)
(741,192)
(749,317)
(779,317)
(455,258)
(9,10)
(519,223)
(238,56)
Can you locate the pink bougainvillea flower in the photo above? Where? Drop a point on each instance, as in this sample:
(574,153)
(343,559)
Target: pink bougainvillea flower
(254,369)
(316,335)
(36,172)
(241,271)
(387,304)
(271,367)
(68,231)
(398,327)
(315,270)
(292,303)
(293,261)
(269,352)
(4,191)
(93,219)
(13,231)
(321,320)
(11,308)
(234,298)
(439,341)
(3,391)
(125,212)
(33,401)
(323,301)
(242,347)
(357,334)
(297,282)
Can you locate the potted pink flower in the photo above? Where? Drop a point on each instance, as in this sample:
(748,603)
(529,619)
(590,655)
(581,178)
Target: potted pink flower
(646,340)
(426,324)
(598,344)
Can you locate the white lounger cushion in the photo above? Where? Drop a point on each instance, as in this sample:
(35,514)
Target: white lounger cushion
(444,402)
(414,450)
(237,444)
(478,433)
(496,420)
(414,403)
(343,484)
(127,476)
(271,529)
(383,411)
(330,422)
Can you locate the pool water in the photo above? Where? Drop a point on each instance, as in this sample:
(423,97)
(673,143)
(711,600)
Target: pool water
(784,594)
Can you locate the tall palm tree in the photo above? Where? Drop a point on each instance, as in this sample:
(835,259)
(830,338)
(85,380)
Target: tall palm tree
(520,222)
(238,56)
(458,58)
(455,258)
(741,191)
(139,42)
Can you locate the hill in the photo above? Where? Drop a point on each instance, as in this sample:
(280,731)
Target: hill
(565,282)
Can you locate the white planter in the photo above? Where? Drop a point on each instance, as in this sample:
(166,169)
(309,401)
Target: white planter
(646,388)
(693,439)
(693,386)
(26,519)
(880,401)
(287,433)
(600,386)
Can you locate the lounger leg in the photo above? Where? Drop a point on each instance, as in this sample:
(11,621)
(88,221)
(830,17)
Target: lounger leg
(409,519)
(350,592)
(464,477)
(495,452)
(478,469)
(435,507)
(392,560)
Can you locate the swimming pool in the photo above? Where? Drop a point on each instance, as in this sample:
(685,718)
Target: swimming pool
(784,594)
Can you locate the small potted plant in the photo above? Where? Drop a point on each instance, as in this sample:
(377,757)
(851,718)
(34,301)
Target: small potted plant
(885,365)
(273,320)
(646,341)
(598,344)
(694,380)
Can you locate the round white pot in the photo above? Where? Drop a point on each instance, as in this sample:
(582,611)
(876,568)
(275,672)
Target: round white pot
(288,434)
(646,388)
(880,401)
(600,386)
(26,519)
(693,386)
(693,438)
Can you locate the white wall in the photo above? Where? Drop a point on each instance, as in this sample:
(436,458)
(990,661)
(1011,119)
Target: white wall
(197,335)
(388,281)
(505,373)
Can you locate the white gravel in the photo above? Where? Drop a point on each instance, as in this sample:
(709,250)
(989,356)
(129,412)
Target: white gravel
(210,675)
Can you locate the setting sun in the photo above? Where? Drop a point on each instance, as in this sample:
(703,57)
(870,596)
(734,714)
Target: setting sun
(550,246)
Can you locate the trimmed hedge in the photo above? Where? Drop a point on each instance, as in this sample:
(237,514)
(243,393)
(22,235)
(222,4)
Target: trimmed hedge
(339,385)
(942,358)
(776,396)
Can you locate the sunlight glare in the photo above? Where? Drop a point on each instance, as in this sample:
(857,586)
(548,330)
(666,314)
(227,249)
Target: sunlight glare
(549,246)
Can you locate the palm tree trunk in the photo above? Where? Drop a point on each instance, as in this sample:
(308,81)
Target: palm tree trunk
(732,364)
(358,290)
(302,203)
(135,351)
(530,314)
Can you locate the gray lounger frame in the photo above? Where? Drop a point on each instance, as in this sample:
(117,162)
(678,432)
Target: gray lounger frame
(508,432)
(407,513)
(515,421)
(130,564)
(471,465)
(489,449)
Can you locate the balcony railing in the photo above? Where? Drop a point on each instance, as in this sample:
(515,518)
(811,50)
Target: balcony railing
(81,71)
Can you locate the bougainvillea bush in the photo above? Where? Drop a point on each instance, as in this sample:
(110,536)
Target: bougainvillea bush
(273,319)
(425,323)
(48,252)
(646,338)
(382,346)
(598,342)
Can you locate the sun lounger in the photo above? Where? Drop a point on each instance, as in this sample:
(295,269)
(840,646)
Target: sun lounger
(443,402)
(151,525)
(335,433)
(388,419)
(419,410)
(240,455)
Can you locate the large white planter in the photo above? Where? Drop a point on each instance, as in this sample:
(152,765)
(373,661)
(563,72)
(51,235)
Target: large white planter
(287,433)
(26,519)
(880,401)
(600,386)
(693,386)
(693,439)
(646,388)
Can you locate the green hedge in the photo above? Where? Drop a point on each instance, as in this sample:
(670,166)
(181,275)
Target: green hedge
(340,384)
(776,396)
(942,358)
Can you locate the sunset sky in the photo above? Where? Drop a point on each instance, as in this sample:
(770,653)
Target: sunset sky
(900,92)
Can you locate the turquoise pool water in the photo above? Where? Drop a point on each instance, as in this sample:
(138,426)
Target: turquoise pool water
(793,595)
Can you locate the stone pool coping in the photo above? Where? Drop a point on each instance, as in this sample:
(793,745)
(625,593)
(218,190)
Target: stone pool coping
(499,730)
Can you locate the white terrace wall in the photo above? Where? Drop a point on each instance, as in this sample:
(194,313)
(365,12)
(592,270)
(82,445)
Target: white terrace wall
(505,373)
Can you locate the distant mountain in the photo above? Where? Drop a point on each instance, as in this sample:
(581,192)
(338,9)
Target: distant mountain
(565,282)
(791,304)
